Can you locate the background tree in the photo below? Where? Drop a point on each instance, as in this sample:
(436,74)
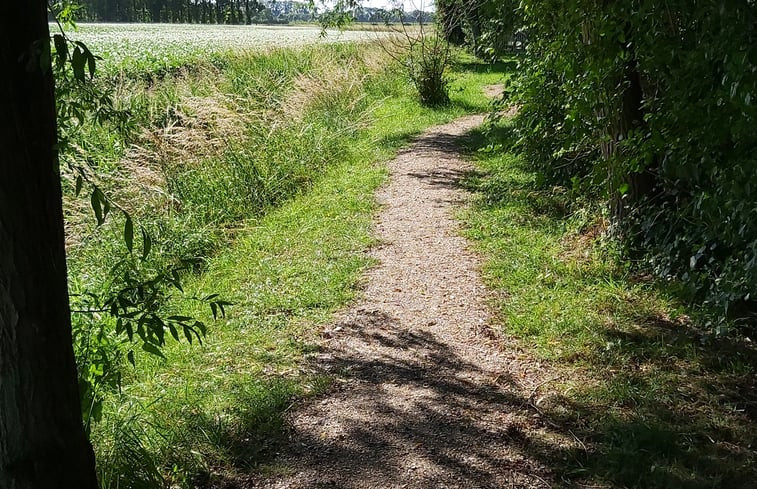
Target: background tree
(487,26)
(645,105)
(42,441)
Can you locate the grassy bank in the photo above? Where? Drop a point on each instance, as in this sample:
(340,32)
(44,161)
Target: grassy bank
(650,400)
(264,168)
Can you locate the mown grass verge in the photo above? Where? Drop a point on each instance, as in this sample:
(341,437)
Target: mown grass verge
(288,260)
(652,401)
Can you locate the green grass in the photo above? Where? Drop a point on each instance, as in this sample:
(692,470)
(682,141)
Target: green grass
(285,273)
(658,403)
(208,412)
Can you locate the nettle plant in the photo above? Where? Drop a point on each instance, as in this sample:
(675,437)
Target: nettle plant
(129,306)
(427,58)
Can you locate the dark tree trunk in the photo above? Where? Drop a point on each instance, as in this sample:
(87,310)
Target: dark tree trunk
(640,184)
(630,117)
(155,7)
(42,441)
(474,21)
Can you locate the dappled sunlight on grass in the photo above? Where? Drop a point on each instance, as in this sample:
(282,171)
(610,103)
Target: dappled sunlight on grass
(656,402)
(287,261)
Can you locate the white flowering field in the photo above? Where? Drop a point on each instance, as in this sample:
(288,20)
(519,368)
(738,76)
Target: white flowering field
(156,47)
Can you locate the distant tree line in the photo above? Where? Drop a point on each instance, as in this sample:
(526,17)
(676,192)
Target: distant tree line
(195,11)
(227,12)
(380,15)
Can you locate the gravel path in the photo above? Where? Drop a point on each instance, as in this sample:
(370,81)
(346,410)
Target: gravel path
(427,396)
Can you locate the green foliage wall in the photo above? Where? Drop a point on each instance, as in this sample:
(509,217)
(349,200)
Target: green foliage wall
(486,25)
(652,105)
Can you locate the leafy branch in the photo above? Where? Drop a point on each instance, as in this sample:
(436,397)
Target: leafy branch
(132,306)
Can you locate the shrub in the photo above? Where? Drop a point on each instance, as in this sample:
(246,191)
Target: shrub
(426,57)
(428,62)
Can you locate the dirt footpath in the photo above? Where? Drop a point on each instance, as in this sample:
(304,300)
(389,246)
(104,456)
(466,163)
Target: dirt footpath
(427,396)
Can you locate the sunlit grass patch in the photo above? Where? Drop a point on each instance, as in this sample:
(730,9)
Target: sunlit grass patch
(280,211)
(286,273)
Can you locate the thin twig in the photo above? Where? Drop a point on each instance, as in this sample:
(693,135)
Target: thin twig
(542,384)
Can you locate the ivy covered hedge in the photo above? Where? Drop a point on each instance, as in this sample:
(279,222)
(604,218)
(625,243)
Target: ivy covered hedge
(652,106)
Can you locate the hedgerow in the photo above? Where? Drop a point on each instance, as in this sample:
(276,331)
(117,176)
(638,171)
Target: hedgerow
(650,106)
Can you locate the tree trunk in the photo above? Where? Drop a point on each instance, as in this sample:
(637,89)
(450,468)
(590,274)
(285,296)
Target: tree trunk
(42,441)
(155,7)
(640,184)
(630,117)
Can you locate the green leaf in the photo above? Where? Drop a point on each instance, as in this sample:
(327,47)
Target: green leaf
(179,318)
(173,331)
(158,327)
(61,49)
(146,244)
(79,185)
(201,326)
(97,206)
(129,233)
(91,63)
(188,333)
(106,205)
(88,57)
(150,348)
(78,60)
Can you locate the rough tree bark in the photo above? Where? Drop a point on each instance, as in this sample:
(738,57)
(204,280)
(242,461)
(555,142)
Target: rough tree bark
(42,441)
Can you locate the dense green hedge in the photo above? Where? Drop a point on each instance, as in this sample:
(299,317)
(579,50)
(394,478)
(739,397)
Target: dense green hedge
(651,105)
(485,25)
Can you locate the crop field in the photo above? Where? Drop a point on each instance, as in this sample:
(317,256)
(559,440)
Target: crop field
(135,48)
